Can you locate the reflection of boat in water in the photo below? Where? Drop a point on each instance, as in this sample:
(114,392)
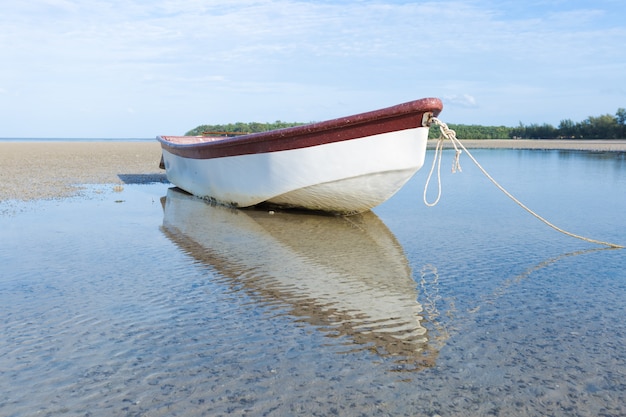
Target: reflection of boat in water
(347,275)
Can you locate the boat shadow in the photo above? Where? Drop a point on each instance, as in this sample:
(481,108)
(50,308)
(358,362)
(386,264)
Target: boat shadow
(143,178)
(348,277)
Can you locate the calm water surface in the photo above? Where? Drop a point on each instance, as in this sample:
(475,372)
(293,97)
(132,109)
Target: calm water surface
(149,302)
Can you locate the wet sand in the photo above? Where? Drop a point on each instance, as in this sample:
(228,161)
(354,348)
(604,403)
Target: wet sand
(43,170)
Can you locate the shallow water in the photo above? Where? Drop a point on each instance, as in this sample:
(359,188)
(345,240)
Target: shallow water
(146,301)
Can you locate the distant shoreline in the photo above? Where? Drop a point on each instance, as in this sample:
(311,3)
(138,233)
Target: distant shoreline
(32,170)
(618,145)
(597,145)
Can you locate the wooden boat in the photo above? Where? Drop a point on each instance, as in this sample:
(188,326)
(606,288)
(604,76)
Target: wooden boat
(346,165)
(349,278)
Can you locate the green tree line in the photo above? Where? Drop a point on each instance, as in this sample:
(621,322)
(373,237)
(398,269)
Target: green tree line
(601,127)
(474,131)
(606,126)
(241,127)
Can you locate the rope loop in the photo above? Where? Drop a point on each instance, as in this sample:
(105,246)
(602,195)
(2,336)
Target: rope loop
(447,133)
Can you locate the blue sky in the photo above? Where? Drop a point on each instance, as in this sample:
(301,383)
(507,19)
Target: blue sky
(139,68)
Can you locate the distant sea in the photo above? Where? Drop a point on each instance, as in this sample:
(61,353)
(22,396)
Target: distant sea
(76,139)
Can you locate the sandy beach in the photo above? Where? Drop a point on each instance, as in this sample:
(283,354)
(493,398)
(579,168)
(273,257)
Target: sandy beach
(42,170)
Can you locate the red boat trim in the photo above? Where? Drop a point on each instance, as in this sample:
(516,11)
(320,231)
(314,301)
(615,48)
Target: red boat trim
(400,117)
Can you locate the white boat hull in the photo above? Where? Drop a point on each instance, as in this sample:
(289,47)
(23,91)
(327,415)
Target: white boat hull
(348,177)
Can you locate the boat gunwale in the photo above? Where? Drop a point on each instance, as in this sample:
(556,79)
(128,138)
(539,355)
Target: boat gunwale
(401,116)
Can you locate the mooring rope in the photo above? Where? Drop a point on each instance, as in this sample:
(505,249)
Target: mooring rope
(447,133)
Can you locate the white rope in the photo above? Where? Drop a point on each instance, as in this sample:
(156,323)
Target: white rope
(436,161)
(447,133)
(456,164)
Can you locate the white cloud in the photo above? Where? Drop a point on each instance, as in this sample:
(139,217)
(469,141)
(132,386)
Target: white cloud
(464,100)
